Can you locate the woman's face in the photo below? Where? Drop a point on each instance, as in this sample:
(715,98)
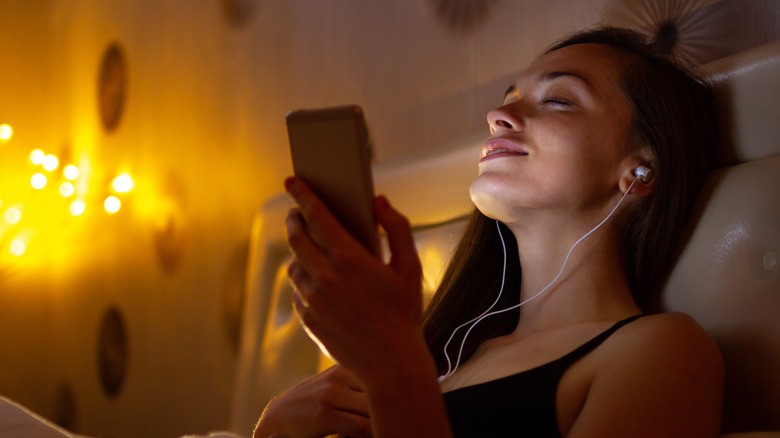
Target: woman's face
(560,141)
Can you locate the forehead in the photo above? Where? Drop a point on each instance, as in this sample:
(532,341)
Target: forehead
(597,64)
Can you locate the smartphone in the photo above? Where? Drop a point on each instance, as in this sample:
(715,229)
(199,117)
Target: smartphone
(330,152)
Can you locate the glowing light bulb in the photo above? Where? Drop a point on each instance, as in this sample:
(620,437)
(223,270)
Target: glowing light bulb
(67,189)
(77,207)
(123,183)
(38,181)
(13,215)
(6,132)
(112,204)
(37,156)
(70,172)
(18,247)
(50,162)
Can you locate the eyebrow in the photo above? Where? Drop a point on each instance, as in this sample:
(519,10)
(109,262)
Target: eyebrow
(552,75)
(548,76)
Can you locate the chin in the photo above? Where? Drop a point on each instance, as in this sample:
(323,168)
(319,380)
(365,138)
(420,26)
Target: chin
(491,194)
(488,203)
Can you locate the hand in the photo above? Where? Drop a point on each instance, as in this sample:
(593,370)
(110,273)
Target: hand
(362,310)
(330,402)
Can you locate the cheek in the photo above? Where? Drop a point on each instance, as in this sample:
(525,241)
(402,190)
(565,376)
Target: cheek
(602,148)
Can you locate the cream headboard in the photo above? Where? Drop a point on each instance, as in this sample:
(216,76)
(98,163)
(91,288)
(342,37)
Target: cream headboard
(728,277)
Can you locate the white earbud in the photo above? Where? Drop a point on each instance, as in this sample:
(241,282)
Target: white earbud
(643,173)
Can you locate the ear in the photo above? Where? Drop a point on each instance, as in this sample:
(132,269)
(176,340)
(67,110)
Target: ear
(628,174)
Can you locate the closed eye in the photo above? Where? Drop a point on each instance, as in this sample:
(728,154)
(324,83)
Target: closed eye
(556,101)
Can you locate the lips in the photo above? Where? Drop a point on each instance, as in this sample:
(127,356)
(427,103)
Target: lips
(501,147)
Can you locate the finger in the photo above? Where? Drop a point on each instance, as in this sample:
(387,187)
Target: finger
(323,226)
(348,400)
(301,280)
(333,421)
(354,425)
(307,320)
(307,252)
(347,378)
(352,404)
(299,304)
(404,256)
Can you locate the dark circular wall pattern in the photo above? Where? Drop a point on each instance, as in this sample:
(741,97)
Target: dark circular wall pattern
(112,351)
(112,86)
(462,16)
(238,12)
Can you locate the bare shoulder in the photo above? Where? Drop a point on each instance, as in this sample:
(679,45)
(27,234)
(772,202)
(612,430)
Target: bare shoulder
(660,375)
(673,343)
(667,334)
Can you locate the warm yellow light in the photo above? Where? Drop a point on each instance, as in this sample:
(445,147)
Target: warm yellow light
(123,183)
(67,189)
(38,181)
(70,172)
(12,216)
(6,132)
(18,247)
(50,162)
(77,207)
(112,204)
(37,156)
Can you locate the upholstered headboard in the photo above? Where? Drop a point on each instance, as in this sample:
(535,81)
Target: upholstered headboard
(728,277)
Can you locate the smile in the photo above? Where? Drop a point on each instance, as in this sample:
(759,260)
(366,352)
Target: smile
(501,147)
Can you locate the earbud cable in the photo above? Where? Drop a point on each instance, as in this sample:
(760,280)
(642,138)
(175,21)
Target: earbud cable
(485,314)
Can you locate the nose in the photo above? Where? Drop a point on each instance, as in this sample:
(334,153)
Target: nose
(505,117)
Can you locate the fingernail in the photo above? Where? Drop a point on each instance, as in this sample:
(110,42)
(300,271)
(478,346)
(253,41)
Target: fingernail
(289,221)
(289,184)
(382,202)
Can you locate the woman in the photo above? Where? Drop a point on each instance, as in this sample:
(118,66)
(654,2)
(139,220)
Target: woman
(558,188)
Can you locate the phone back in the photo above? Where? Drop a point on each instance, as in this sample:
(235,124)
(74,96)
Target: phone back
(330,152)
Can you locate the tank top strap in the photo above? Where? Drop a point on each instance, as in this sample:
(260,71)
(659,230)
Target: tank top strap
(589,346)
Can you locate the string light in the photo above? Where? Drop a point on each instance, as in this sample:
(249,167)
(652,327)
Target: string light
(38,211)
(6,132)
(12,216)
(70,172)
(37,156)
(50,162)
(112,204)
(67,189)
(77,207)
(123,183)
(18,247)
(38,181)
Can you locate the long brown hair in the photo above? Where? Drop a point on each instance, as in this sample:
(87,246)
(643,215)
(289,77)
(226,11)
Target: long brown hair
(674,116)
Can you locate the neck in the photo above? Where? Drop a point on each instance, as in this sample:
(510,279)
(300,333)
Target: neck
(593,285)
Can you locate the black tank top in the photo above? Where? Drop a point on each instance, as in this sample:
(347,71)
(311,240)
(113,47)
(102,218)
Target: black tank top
(520,405)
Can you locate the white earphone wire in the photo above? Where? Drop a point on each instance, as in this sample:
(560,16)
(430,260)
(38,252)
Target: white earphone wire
(451,370)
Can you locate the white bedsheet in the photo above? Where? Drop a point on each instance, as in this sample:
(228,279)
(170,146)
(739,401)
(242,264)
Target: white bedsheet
(17,421)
